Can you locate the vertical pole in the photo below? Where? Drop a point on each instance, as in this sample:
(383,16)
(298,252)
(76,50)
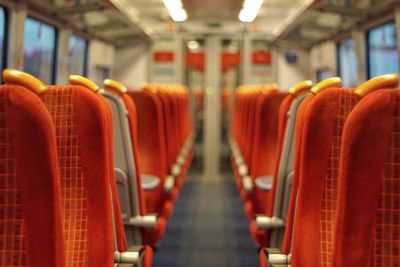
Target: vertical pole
(397,19)
(212,118)
(246,57)
(62,62)
(359,43)
(16,40)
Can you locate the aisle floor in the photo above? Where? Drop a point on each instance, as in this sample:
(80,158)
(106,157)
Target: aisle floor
(208,227)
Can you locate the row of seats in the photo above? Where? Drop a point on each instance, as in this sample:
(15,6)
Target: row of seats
(85,181)
(334,194)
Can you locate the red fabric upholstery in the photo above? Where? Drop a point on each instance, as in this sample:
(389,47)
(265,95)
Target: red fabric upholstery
(262,259)
(130,106)
(368,217)
(151,146)
(148,257)
(152,236)
(265,143)
(80,121)
(315,212)
(30,219)
(282,120)
(260,236)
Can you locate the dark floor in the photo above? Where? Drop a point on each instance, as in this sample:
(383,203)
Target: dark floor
(208,227)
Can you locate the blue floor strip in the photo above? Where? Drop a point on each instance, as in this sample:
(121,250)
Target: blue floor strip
(208,228)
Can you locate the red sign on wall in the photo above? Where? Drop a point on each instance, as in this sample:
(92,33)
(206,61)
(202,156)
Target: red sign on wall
(163,56)
(230,60)
(195,60)
(261,57)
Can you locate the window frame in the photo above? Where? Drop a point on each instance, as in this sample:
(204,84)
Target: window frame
(4,59)
(54,64)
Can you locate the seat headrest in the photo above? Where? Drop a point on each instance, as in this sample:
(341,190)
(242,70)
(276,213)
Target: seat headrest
(24,79)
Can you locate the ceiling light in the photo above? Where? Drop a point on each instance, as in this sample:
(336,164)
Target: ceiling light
(172,4)
(193,45)
(178,14)
(252,4)
(175,9)
(246,15)
(250,10)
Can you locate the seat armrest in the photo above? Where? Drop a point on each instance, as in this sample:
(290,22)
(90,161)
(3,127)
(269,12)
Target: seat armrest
(181,159)
(132,257)
(176,170)
(146,221)
(276,258)
(243,169)
(269,251)
(247,183)
(264,222)
(264,183)
(169,183)
(149,182)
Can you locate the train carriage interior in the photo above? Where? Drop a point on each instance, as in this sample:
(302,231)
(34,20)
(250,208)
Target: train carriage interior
(186,133)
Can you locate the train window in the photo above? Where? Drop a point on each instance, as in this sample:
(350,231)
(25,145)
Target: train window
(323,74)
(347,62)
(77,55)
(3,36)
(40,49)
(382,50)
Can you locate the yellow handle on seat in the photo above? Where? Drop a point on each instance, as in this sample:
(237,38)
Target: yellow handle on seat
(85,82)
(114,86)
(330,82)
(24,79)
(301,87)
(383,81)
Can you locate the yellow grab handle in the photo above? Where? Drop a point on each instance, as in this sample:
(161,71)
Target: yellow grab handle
(301,87)
(114,86)
(85,82)
(24,79)
(330,82)
(383,81)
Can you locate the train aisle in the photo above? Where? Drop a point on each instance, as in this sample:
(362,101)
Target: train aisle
(208,227)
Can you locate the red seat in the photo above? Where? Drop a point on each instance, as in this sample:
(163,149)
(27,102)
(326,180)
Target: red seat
(368,220)
(264,147)
(152,148)
(275,203)
(86,200)
(150,235)
(301,151)
(30,219)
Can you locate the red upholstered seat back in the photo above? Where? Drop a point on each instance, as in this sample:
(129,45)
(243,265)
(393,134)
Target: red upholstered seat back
(368,221)
(265,133)
(130,106)
(151,136)
(249,127)
(80,121)
(315,214)
(30,219)
(282,119)
(170,131)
